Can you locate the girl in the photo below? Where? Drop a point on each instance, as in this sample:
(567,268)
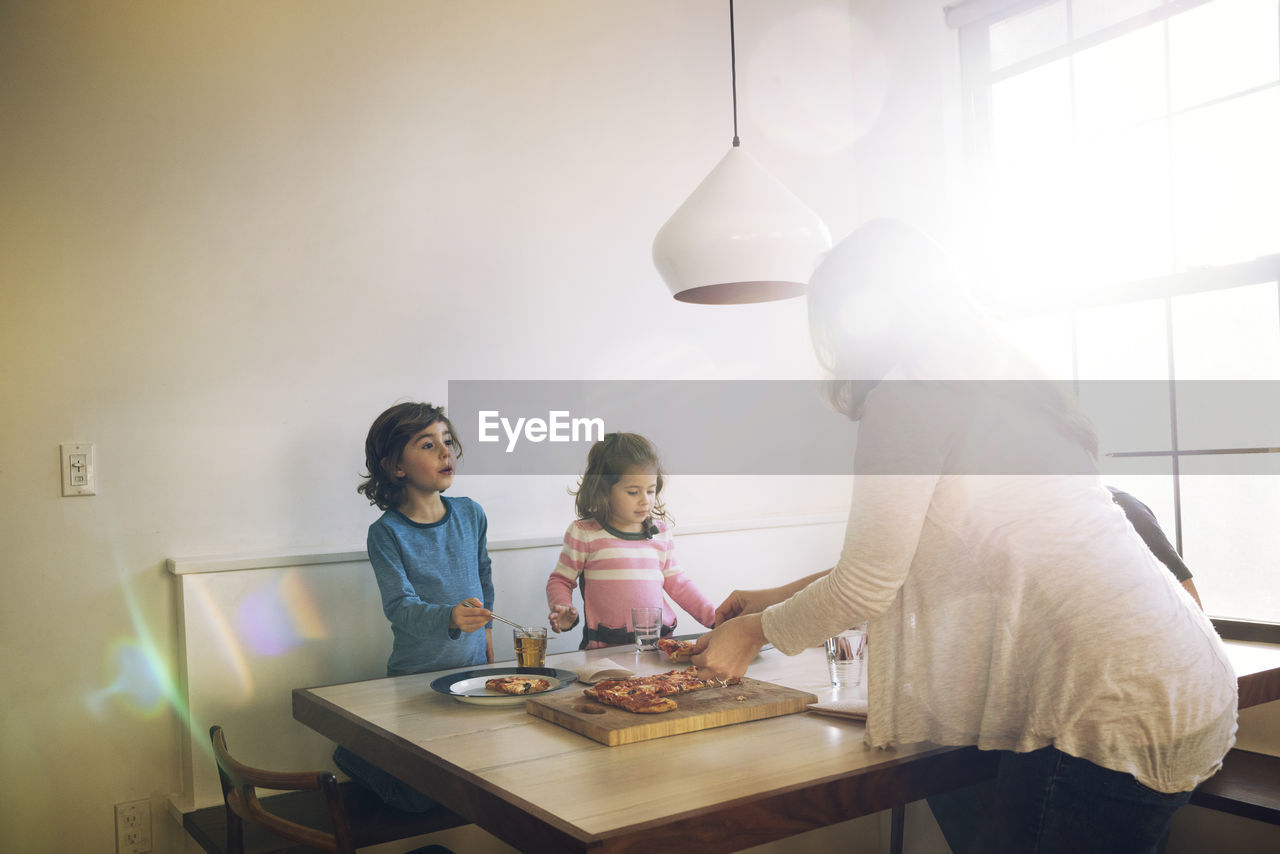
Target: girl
(619,550)
(430,559)
(1010,605)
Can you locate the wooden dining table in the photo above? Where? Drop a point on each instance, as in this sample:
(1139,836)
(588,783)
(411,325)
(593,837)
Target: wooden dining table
(541,787)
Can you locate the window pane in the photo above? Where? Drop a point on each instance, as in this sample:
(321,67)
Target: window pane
(1122,197)
(1120,81)
(1123,342)
(1231,541)
(1227,179)
(1232,334)
(1220,339)
(1028,34)
(1031,113)
(1221,48)
(1027,184)
(1089,16)
(1123,373)
(1121,181)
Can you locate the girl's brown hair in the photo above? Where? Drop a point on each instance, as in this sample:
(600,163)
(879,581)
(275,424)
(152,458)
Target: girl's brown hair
(609,459)
(390,432)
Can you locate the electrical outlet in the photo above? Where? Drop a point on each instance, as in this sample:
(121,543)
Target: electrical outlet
(133,827)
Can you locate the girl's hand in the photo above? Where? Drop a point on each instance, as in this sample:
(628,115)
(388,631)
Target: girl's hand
(563,618)
(725,651)
(469,618)
(741,602)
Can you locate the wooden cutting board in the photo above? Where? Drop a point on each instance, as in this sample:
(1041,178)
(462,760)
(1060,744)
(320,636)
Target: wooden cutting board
(710,707)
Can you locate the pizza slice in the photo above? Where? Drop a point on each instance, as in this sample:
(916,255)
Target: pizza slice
(676,650)
(651,694)
(639,699)
(684,681)
(518,685)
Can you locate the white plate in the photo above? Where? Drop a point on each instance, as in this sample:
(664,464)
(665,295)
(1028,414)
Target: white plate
(467,686)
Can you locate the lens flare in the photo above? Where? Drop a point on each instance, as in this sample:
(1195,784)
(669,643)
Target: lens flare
(138,679)
(304,612)
(261,621)
(136,682)
(277,618)
(235,675)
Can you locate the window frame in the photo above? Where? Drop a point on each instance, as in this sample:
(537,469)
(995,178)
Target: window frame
(973,21)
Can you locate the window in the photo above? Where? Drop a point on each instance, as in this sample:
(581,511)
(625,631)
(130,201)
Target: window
(1126,156)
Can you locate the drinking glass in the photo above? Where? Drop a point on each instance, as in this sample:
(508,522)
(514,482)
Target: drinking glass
(647,625)
(531,646)
(845,654)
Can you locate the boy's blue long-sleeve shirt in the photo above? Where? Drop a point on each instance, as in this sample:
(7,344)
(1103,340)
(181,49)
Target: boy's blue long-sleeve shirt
(423,571)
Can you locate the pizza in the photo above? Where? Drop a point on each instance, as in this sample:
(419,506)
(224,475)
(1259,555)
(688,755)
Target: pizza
(676,650)
(518,684)
(641,700)
(647,695)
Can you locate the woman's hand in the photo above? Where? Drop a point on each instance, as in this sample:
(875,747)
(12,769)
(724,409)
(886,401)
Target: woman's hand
(469,615)
(741,602)
(488,644)
(725,651)
(563,618)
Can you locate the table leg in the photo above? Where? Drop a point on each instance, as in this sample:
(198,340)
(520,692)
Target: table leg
(897,821)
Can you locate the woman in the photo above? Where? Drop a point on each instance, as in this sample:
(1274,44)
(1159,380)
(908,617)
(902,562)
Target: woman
(1009,603)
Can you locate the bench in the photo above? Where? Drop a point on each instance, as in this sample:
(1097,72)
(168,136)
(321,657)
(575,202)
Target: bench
(1248,785)
(372,821)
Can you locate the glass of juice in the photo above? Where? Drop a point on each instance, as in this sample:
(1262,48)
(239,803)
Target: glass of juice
(531,646)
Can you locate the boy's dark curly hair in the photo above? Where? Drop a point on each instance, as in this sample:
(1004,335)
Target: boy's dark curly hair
(607,461)
(390,432)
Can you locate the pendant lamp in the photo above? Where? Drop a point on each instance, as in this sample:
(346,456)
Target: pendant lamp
(742,236)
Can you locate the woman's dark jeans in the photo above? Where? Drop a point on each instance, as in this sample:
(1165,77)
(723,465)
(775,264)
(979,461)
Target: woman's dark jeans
(1047,802)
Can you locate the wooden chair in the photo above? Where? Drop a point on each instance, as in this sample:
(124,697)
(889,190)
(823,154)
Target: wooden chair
(239,792)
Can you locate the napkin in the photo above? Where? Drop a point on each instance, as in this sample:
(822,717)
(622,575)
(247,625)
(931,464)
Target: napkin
(855,709)
(601,668)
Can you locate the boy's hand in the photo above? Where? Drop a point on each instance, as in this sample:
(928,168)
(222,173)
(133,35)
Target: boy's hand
(563,618)
(469,615)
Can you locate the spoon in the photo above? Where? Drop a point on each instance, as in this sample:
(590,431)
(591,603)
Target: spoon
(495,616)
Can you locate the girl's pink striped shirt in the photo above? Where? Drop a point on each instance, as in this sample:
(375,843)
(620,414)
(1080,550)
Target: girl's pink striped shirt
(623,571)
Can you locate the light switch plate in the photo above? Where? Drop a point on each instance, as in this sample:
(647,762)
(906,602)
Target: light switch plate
(78,469)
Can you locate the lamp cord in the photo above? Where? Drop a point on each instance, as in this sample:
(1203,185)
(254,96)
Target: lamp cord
(733,75)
